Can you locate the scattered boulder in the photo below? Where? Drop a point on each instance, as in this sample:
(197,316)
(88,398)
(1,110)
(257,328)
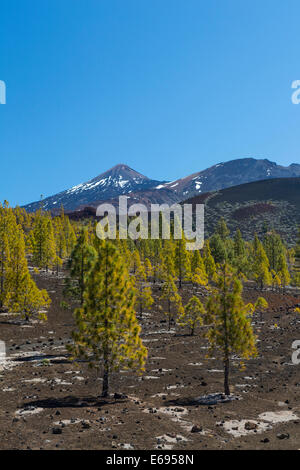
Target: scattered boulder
(250,426)
(196,428)
(56,430)
(283,436)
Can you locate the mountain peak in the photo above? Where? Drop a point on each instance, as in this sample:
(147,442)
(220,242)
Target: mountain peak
(118,180)
(122,170)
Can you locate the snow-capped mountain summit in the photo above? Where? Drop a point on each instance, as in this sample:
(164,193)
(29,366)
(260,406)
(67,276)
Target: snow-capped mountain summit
(227,174)
(121,179)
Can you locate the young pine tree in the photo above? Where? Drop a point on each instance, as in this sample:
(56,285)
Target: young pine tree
(23,295)
(182,261)
(229,319)
(192,315)
(144,297)
(260,264)
(282,271)
(172,298)
(209,262)
(198,272)
(274,248)
(240,260)
(108,333)
(43,241)
(7,228)
(222,229)
(81,261)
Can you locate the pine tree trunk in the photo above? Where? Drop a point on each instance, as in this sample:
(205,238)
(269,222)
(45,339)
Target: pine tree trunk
(2,280)
(226,349)
(105,381)
(81,279)
(226,377)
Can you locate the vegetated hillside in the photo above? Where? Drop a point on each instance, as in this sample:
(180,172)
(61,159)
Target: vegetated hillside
(255,207)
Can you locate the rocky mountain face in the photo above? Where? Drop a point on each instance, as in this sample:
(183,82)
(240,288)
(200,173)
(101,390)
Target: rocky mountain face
(232,173)
(121,180)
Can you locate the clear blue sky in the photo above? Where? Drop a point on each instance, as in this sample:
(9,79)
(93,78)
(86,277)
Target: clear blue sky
(168,87)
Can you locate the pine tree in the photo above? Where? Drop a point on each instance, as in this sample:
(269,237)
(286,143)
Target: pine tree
(229,319)
(81,261)
(276,282)
(50,257)
(260,264)
(274,248)
(7,229)
(70,236)
(198,275)
(282,270)
(182,261)
(67,234)
(136,261)
(148,268)
(222,229)
(296,264)
(240,260)
(167,260)
(144,297)
(218,248)
(171,296)
(209,262)
(192,315)
(23,295)
(108,333)
(43,241)
(60,239)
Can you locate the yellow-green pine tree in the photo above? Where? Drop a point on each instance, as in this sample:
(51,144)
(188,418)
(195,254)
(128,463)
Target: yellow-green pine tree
(182,261)
(198,274)
(80,264)
(7,228)
(108,334)
(229,320)
(144,297)
(23,295)
(282,270)
(148,269)
(172,298)
(50,256)
(260,264)
(192,315)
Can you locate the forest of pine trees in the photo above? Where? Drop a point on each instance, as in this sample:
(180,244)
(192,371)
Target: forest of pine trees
(109,285)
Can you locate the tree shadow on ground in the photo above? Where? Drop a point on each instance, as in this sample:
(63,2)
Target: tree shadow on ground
(54,358)
(71,401)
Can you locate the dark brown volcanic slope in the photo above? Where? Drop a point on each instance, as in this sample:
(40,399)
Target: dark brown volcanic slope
(254,207)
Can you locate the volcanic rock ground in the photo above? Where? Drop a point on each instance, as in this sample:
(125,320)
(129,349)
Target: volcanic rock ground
(47,402)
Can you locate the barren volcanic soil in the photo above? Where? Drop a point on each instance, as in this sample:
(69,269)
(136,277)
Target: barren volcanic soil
(47,402)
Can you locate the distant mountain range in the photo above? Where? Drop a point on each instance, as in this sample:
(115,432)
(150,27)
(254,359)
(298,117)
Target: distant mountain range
(123,180)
